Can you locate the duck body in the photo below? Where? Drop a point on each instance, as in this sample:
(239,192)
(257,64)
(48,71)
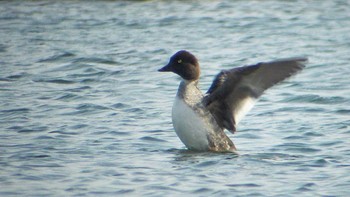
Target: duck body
(190,114)
(200,120)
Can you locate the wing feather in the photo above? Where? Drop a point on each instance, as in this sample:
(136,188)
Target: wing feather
(234,92)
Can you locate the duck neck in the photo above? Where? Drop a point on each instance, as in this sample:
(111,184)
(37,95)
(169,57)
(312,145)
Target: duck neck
(189,91)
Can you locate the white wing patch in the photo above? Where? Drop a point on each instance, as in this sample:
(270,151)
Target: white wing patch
(243,108)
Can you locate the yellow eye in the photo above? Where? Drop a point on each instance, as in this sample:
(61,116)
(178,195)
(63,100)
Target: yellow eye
(179,61)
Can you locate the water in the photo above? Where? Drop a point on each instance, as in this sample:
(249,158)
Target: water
(83,111)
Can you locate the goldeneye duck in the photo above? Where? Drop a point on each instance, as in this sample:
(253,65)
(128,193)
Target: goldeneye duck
(200,120)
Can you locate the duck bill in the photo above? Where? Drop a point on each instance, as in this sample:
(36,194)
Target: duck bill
(166,68)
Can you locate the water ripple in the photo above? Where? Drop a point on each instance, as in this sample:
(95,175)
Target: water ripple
(309,98)
(59,57)
(57,81)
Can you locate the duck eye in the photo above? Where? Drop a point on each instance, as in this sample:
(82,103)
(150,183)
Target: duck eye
(179,61)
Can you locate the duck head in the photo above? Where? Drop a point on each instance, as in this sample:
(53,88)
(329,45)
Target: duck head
(184,64)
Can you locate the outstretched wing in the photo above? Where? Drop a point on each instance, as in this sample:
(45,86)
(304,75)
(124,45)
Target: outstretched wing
(234,92)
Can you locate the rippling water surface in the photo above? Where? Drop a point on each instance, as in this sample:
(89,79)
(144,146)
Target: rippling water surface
(83,111)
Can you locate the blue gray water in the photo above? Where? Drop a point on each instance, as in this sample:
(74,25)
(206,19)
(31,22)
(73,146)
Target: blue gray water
(84,112)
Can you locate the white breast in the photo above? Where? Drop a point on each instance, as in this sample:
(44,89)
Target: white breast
(191,129)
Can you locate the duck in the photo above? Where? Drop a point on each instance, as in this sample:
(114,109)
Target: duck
(200,120)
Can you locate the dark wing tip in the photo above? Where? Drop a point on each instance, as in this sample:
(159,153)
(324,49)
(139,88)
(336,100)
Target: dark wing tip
(300,61)
(291,66)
